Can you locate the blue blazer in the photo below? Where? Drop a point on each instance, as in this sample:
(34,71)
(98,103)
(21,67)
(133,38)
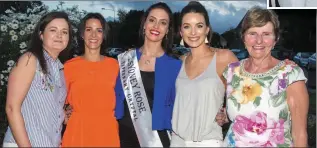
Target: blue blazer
(166,72)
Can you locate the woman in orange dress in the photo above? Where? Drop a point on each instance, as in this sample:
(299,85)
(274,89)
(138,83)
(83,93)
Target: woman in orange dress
(90,80)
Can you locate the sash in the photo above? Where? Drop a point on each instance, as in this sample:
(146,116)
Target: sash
(137,101)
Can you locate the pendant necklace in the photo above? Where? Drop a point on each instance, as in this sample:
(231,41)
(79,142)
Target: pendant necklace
(147,62)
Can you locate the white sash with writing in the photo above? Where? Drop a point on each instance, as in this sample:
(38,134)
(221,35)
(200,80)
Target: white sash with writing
(137,101)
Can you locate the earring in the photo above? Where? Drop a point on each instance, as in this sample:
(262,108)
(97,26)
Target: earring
(182,42)
(206,40)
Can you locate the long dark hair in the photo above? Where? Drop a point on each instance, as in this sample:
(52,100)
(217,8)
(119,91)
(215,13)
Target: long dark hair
(196,7)
(81,31)
(167,42)
(36,44)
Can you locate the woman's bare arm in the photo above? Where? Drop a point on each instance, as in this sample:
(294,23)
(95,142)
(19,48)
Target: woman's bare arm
(224,58)
(297,99)
(19,83)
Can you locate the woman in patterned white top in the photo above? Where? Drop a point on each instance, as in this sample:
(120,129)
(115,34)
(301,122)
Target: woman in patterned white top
(36,87)
(267,100)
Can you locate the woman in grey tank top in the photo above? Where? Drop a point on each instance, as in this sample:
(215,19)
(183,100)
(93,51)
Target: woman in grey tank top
(36,89)
(199,87)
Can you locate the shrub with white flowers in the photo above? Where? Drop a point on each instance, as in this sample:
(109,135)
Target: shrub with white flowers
(16,30)
(14,38)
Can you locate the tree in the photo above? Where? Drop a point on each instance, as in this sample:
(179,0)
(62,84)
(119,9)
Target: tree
(231,35)
(129,31)
(177,37)
(215,40)
(18,6)
(122,15)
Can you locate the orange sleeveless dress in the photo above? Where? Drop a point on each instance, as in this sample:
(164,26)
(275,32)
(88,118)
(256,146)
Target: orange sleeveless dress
(90,87)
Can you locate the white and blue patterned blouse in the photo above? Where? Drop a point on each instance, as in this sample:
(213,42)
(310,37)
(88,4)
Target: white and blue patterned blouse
(42,108)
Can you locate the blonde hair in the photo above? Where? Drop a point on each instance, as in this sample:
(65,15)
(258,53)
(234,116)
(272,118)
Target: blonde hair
(258,17)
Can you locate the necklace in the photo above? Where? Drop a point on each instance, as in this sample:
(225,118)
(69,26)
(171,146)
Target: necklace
(148,61)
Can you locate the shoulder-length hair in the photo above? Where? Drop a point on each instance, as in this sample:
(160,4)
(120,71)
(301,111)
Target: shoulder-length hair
(36,44)
(81,31)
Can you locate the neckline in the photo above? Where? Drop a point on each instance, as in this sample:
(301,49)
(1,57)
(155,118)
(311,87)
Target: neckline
(259,75)
(204,71)
(87,61)
(140,53)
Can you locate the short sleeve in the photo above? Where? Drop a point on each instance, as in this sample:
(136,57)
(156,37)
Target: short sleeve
(296,74)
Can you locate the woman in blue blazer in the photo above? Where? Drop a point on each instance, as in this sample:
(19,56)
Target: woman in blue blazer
(145,88)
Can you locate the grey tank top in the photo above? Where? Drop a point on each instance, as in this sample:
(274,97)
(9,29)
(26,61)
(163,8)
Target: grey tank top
(197,103)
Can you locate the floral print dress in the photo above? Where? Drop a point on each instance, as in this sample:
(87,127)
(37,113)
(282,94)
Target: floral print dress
(257,106)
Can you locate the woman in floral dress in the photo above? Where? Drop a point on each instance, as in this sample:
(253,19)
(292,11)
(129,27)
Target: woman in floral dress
(267,100)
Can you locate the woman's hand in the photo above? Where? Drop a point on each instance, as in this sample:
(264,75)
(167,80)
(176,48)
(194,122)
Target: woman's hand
(221,117)
(68,112)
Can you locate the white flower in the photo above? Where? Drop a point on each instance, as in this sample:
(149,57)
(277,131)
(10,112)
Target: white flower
(30,27)
(22,51)
(10,25)
(15,22)
(28,10)
(22,16)
(6,78)
(9,69)
(14,37)
(22,45)
(13,8)
(10,63)
(5,71)
(2,83)
(15,26)
(12,32)
(2,76)
(22,32)
(4,28)
(8,11)
(27,29)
